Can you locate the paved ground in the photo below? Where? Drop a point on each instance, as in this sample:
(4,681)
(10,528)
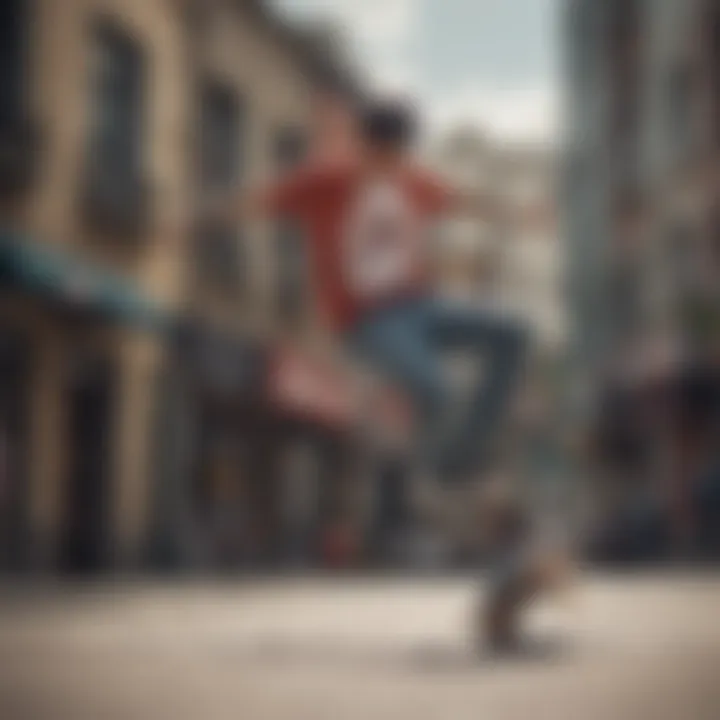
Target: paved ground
(637,648)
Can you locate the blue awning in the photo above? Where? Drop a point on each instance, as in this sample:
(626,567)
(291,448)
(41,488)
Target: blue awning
(59,276)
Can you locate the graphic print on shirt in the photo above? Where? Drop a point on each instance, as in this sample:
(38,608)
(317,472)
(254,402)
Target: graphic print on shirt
(381,247)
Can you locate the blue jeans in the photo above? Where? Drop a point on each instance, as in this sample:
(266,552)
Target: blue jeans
(405,343)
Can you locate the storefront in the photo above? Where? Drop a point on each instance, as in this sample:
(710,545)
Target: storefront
(656,463)
(211,452)
(314,411)
(76,346)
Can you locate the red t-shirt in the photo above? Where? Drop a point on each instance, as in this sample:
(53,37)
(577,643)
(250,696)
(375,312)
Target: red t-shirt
(366,237)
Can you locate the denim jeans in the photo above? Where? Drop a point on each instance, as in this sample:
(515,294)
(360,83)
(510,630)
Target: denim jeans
(406,342)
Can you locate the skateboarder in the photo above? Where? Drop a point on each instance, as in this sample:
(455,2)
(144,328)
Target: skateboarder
(366,216)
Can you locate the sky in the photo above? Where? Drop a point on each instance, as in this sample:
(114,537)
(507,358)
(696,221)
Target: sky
(491,63)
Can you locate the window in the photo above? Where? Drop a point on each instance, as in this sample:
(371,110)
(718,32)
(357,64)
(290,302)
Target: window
(291,262)
(220,132)
(218,256)
(116,128)
(291,272)
(625,299)
(683,260)
(290,148)
(625,67)
(714,230)
(714,31)
(219,135)
(680,94)
(12,61)
(115,194)
(19,133)
(581,28)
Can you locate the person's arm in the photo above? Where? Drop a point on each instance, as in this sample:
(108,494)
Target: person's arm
(231,206)
(493,207)
(286,197)
(441,199)
(479,205)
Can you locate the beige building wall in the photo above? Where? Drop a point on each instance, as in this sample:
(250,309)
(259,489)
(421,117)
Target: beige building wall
(59,92)
(240,48)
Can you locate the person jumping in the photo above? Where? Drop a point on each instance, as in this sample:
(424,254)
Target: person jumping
(366,216)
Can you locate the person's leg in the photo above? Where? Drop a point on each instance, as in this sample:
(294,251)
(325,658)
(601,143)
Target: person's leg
(512,587)
(500,345)
(396,345)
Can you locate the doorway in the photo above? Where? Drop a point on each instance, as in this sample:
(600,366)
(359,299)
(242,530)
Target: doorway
(14,386)
(299,476)
(85,545)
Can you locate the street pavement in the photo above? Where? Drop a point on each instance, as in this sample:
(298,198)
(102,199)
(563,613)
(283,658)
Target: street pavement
(623,648)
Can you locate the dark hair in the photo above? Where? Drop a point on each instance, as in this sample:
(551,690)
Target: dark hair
(389,124)
(336,85)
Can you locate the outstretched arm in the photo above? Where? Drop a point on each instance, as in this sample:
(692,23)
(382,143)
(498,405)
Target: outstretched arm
(494,208)
(476,205)
(487,205)
(237,205)
(498,208)
(286,197)
(442,199)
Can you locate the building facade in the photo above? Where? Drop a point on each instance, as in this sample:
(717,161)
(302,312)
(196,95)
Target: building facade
(513,265)
(118,297)
(640,198)
(640,186)
(92,176)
